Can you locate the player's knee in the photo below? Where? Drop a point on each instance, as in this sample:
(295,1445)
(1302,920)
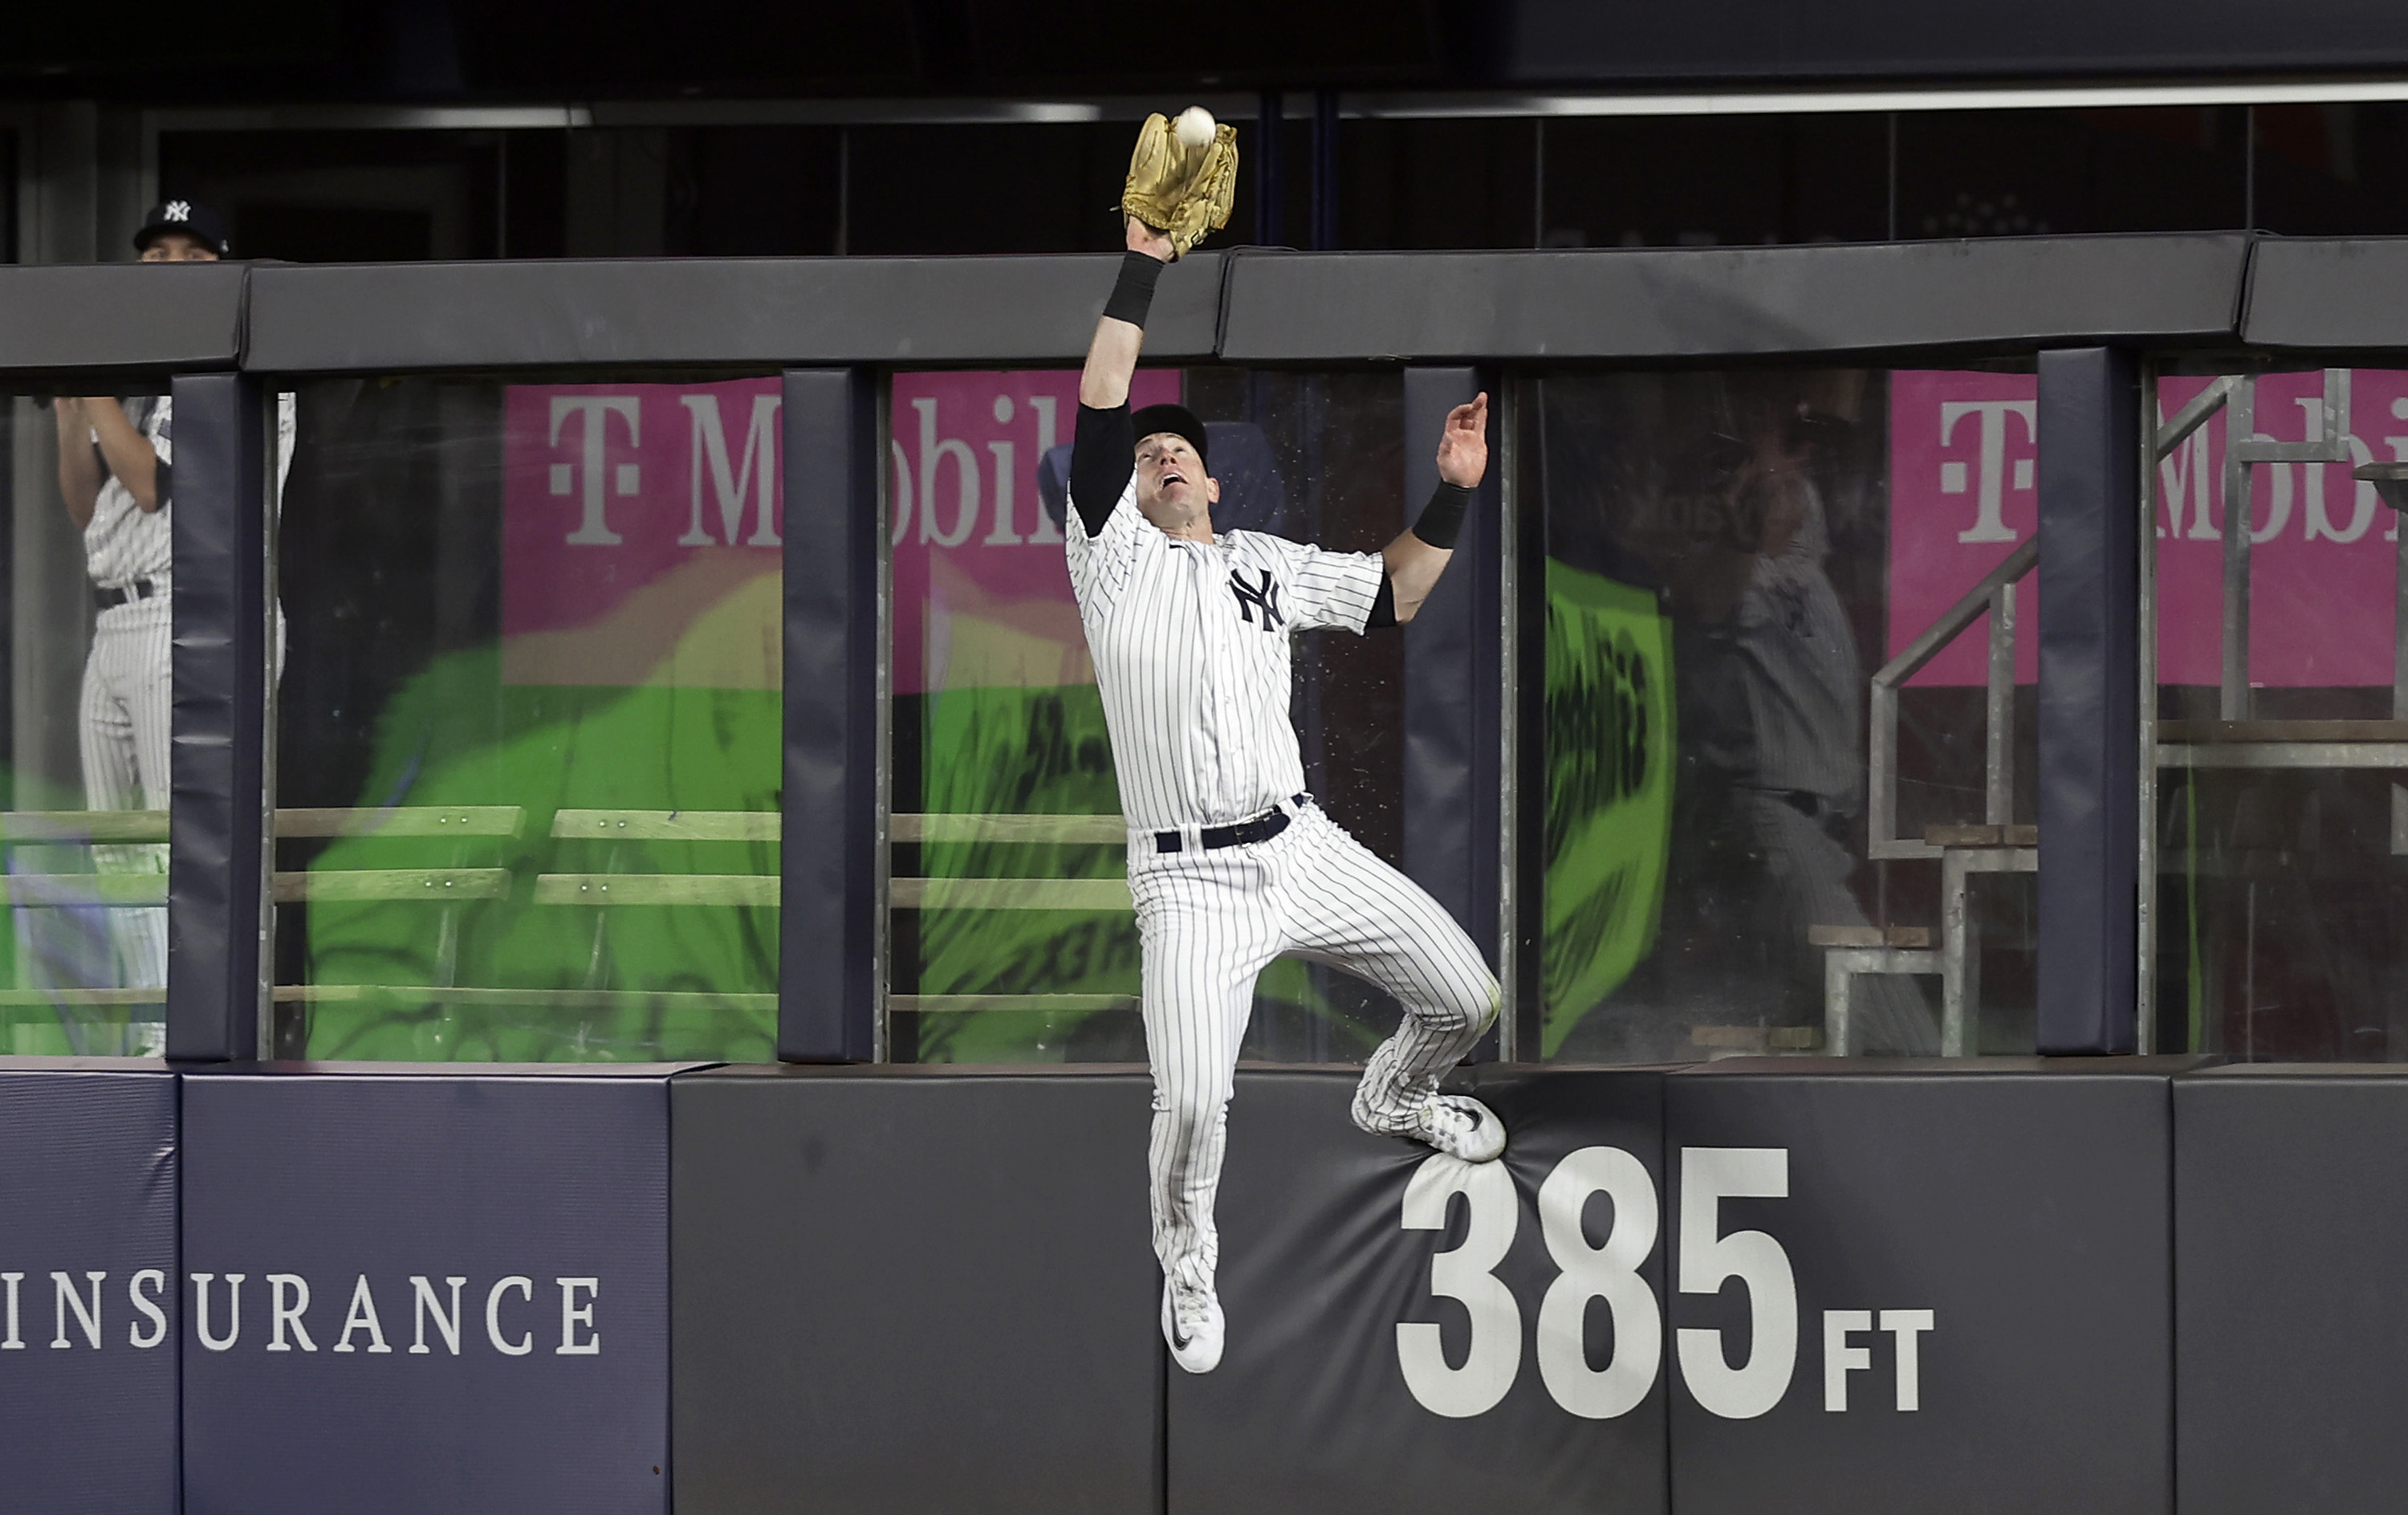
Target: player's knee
(1470,1007)
(1192,1107)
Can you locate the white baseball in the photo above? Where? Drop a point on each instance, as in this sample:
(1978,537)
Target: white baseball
(1194,127)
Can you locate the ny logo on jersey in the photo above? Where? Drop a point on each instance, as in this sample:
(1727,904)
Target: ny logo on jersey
(1249,595)
(177,210)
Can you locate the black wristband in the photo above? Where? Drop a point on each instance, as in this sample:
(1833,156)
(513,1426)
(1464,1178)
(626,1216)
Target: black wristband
(1441,519)
(1133,296)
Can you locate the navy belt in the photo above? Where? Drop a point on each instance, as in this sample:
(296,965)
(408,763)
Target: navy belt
(139,589)
(1269,824)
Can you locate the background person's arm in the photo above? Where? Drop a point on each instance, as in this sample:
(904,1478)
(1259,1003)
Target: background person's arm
(128,453)
(80,473)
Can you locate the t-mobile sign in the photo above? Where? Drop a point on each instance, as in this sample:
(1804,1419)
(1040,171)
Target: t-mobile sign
(641,534)
(1963,491)
(982,594)
(2323,554)
(1964,461)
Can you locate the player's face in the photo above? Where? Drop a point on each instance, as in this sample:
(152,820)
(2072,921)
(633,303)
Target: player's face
(179,247)
(1170,478)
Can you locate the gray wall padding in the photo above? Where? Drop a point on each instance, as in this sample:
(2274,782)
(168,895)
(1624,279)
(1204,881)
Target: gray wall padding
(2024,1203)
(2291,1222)
(912,1290)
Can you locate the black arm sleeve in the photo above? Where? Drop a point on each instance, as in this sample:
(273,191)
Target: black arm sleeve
(1103,457)
(1441,519)
(1384,609)
(166,477)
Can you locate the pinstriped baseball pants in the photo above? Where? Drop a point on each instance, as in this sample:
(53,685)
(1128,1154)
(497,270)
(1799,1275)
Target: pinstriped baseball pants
(1209,922)
(124,717)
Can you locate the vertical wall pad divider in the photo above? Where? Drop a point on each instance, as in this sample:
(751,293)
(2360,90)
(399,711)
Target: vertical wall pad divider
(2290,1324)
(88,1381)
(1451,691)
(2089,698)
(827,966)
(1352,1382)
(904,1288)
(1908,1286)
(507,1228)
(217,876)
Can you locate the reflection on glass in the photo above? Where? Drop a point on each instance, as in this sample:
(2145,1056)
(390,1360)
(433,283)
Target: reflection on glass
(2279,741)
(528,722)
(1011,935)
(1726,861)
(90,508)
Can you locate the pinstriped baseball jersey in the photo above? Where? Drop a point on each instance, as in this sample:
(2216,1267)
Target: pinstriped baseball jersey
(1191,647)
(124,542)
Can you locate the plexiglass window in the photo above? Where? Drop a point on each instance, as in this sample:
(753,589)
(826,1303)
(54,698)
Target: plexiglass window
(2280,715)
(1777,665)
(528,746)
(90,511)
(1011,932)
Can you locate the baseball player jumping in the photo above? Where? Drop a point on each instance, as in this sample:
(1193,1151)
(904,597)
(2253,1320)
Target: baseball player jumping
(1231,862)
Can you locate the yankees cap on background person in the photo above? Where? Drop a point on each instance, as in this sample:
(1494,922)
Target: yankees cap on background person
(197,221)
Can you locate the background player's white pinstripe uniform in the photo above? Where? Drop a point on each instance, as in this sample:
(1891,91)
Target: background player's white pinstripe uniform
(125,709)
(1191,647)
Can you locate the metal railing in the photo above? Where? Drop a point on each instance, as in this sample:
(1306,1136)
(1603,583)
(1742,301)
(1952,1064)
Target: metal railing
(1996,597)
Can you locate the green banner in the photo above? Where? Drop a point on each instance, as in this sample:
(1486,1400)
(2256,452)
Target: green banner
(1609,816)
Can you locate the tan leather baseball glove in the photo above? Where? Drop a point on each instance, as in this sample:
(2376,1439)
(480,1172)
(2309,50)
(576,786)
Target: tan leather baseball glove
(1181,192)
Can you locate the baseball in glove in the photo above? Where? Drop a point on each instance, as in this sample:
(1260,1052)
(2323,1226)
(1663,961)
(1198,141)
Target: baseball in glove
(1181,189)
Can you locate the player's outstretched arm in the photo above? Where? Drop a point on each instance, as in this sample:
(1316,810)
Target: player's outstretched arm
(1112,357)
(1421,552)
(1102,447)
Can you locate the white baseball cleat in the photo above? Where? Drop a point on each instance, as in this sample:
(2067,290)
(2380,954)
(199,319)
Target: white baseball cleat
(1191,1322)
(1460,1126)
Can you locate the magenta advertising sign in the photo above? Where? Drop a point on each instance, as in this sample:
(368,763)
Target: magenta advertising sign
(640,534)
(1963,491)
(2323,557)
(642,526)
(2324,551)
(981,592)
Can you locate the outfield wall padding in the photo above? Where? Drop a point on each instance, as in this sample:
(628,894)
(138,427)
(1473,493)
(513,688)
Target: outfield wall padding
(2149,1286)
(907,1288)
(87,1161)
(2023,1203)
(2291,1224)
(541,1386)
(1314,1406)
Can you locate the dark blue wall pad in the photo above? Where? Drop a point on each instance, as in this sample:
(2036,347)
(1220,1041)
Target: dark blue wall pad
(217,767)
(554,1395)
(88,1185)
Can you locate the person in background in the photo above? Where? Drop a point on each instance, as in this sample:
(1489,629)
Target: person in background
(116,478)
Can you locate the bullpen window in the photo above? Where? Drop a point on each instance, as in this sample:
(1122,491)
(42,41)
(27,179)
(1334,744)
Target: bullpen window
(89,490)
(1011,937)
(1776,673)
(2279,717)
(527,749)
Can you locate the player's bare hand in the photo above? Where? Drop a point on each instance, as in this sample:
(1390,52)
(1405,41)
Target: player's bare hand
(1463,446)
(1154,244)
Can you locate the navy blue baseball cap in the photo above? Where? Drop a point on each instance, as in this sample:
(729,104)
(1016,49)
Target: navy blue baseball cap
(1180,422)
(197,221)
